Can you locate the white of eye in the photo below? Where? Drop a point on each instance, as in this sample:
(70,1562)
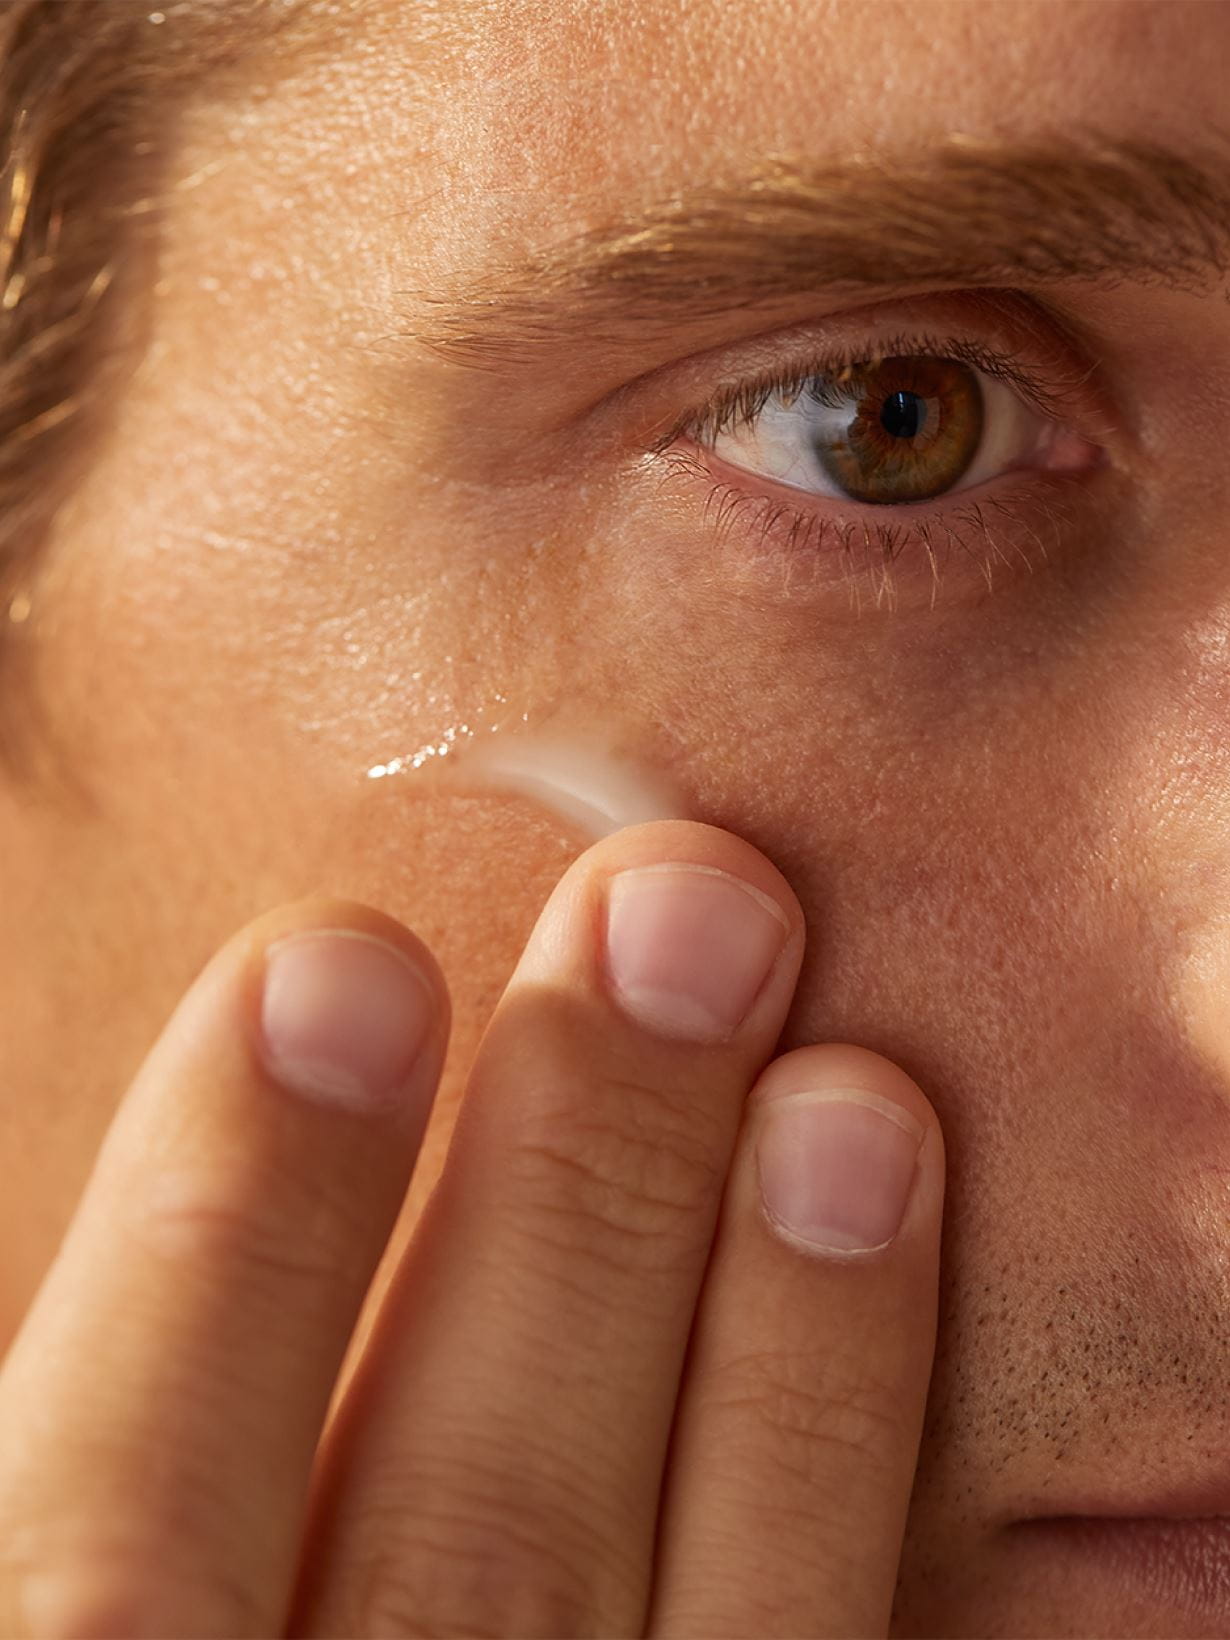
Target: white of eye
(779,441)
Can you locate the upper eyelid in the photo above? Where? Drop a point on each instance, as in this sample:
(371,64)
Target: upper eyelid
(1062,377)
(741,407)
(739,404)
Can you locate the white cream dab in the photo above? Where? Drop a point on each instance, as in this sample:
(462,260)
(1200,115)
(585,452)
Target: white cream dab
(587,782)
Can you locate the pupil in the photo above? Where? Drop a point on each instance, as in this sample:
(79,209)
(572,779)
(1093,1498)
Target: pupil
(902,415)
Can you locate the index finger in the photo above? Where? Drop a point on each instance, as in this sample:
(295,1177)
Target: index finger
(797,1431)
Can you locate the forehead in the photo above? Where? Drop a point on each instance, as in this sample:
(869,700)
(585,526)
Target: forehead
(596,93)
(536,116)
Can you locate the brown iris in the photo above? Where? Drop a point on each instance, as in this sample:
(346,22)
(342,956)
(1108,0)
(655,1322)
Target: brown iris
(907,429)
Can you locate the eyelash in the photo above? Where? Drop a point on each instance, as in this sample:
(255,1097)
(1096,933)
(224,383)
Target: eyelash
(799,533)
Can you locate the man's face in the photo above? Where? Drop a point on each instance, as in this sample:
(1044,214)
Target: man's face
(378,488)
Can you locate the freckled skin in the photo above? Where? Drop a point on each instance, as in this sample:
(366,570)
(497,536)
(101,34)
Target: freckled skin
(1007,819)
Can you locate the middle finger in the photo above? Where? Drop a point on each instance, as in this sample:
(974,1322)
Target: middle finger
(496,1464)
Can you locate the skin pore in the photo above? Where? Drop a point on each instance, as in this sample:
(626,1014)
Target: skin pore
(312,545)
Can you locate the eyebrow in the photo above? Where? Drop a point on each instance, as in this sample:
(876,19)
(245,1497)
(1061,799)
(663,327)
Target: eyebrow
(968,212)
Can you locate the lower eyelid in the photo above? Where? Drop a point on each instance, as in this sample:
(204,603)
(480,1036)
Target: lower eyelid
(797,545)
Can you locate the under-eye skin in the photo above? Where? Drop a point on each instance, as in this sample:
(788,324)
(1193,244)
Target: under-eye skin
(906,442)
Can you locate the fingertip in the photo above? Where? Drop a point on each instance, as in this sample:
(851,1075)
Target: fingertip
(328,998)
(846,1065)
(336,911)
(815,1115)
(250,946)
(345,1017)
(697,843)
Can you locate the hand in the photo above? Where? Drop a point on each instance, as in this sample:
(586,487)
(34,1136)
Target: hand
(604,1396)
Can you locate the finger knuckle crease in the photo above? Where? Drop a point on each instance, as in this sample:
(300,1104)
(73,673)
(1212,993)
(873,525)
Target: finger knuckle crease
(619,1174)
(265,1243)
(456,1581)
(797,1393)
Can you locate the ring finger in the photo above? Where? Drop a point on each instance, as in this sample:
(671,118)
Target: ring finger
(800,1418)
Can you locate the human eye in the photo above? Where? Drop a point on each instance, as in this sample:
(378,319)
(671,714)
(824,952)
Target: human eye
(889,431)
(898,444)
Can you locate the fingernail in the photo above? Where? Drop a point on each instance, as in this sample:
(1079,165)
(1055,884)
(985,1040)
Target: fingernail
(343,1017)
(837,1167)
(689,947)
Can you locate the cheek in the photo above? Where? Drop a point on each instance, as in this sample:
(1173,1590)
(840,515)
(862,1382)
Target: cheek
(967,807)
(261,717)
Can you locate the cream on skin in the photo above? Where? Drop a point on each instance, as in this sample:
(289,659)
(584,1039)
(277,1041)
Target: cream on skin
(587,778)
